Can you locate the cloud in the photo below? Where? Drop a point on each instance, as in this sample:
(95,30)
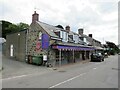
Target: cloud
(99,17)
(107,7)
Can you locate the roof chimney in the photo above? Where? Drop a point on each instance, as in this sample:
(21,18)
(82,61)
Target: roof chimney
(67,28)
(90,35)
(35,17)
(80,31)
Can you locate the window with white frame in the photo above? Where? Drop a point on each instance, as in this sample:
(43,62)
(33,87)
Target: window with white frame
(76,38)
(64,36)
(61,36)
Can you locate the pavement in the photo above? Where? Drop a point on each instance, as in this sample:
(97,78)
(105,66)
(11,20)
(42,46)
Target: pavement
(13,68)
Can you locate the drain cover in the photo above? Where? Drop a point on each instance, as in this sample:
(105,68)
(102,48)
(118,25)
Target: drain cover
(62,71)
(115,69)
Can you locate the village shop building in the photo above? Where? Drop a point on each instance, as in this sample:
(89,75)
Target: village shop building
(61,46)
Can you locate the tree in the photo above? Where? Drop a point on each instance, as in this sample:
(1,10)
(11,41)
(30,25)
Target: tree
(112,47)
(8,27)
(21,26)
(5,29)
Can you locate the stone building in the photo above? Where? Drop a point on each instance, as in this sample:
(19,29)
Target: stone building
(62,46)
(90,41)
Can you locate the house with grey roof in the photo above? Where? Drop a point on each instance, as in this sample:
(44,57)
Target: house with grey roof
(90,41)
(61,46)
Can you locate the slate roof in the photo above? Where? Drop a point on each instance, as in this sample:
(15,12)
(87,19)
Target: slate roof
(49,29)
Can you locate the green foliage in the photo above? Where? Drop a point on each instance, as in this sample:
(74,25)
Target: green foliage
(12,27)
(5,25)
(8,27)
(114,48)
(22,26)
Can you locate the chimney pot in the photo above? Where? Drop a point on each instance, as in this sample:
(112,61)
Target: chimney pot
(80,31)
(67,28)
(90,35)
(35,17)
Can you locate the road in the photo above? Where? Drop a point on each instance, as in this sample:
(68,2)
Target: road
(79,75)
(0,68)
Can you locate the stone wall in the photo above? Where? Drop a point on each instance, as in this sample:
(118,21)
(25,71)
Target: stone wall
(33,39)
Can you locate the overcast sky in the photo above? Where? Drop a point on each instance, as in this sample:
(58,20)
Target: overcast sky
(97,17)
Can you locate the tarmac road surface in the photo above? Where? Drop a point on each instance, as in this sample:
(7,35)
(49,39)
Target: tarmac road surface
(79,75)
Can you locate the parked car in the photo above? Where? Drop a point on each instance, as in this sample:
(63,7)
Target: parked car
(97,57)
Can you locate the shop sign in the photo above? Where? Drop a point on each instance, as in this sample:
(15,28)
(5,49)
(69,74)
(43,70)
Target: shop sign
(45,41)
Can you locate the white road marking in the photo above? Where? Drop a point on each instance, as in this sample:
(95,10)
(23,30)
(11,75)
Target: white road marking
(15,77)
(67,80)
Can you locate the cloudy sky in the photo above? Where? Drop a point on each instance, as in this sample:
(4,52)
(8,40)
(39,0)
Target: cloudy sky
(97,17)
